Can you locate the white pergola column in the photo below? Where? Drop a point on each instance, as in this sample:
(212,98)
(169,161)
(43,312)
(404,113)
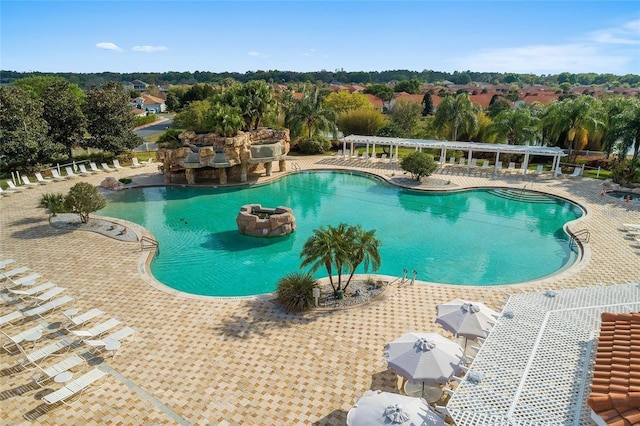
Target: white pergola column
(373,151)
(495,166)
(344,147)
(469,157)
(366,151)
(526,163)
(443,155)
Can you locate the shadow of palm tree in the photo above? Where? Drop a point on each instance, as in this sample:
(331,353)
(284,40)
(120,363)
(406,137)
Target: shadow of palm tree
(39,232)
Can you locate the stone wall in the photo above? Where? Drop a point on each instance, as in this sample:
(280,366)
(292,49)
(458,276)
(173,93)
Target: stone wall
(256,221)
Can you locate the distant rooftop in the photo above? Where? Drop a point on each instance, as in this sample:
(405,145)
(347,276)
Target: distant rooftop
(536,364)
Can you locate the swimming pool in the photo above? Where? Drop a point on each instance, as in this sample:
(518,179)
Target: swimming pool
(477,237)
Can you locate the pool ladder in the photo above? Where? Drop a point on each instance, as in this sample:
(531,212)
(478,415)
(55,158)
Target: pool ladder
(581,236)
(149,243)
(295,166)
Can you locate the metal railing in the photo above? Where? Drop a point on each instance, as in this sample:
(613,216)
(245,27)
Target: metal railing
(149,243)
(581,236)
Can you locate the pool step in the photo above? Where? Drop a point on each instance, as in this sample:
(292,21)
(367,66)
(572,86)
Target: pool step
(522,195)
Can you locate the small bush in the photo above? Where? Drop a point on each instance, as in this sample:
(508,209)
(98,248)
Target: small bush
(315,145)
(53,202)
(125,180)
(83,199)
(295,291)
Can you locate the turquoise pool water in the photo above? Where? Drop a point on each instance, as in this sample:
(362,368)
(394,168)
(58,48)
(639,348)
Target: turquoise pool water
(477,237)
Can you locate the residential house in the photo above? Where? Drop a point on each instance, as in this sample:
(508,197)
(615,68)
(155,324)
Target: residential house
(139,85)
(150,103)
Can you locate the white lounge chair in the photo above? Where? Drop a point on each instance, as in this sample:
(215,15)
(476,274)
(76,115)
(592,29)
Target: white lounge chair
(118,336)
(27,280)
(44,297)
(485,164)
(47,307)
(461,162)
(33,290)
(84,171)
(41,179)
(116,164)
(56,175)
(78,320)
(339,154)
(7,191)
(94,167)
(539,169)
(20,337)
(74,387)
(512,166)
(70,172)
(13,187)
(44,352)
(631,225)
(10,317)
(14,272)
(98,329)
(106,168)
(473,162)
(383,157)
(5,262)
(576,172)
(498,166)
(60,367)
(27,182)
(135,163)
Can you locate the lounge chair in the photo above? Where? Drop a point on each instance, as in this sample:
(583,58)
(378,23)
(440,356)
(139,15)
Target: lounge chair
(539,170)
(44,297)
(41,179)
(97,330)
(7,191)
(74,387)
(473,162)
(70,172)
(33,290)
(485,164)
(4,263)
(27,280)
(576,172)
(383,157)
(631,225)
(76,321)
(512,166)
(84,171)
(27,182)
(60,367)
(47,307)
(498,166)
(118,336)
(452,161)
(94,167)
(13,187)
(11,317)
(135,163)
(20,337)
(14,272)
(56,175)
(116,164)
(44,352)
(106,167)
(461,162)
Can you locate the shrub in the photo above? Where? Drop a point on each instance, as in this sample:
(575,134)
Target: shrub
(419,164)
(53,202)
(295,291)
(170,139)
(84,198)
(125,180)
(315,145)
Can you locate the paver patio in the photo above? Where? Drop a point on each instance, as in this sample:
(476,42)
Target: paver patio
(244,361)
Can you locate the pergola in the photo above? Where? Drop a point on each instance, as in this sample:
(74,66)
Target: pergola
(469,147)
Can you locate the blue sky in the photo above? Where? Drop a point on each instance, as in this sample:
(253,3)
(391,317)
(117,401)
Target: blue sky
(540,37)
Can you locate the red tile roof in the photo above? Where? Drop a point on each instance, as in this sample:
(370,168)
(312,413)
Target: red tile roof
(615,391)
(375,101)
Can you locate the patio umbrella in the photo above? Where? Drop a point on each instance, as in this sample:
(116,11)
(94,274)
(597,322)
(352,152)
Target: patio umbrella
(424,357)
(467,319)
(384,408)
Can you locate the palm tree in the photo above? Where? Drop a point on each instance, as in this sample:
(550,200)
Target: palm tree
(457,114)
(625,126)
(254,98)
(517,126)
(364,250)
(309,112)
(575,120)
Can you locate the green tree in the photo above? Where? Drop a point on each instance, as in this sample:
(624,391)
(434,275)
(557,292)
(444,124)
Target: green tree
(309,112)
(23,132)
(625,126)
(406,114)
(572,122)
(254,98)
(361,122)
(410,86)
(456,114)
(344,101)
(225,120)
(515,126)
(194,117)
(83,199)
(54,203)
(497,104)
(64,115)
(295,291)
(36,86)
(344,248)
(427,104)
(390,130)
(173,102)
(109,120)
(382,91)
(419,164)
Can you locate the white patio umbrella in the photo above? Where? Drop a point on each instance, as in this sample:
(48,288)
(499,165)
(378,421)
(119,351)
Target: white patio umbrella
(384,408)
(467,319)
(424,357)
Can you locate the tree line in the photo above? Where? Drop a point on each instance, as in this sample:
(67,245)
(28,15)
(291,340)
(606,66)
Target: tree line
(89,80)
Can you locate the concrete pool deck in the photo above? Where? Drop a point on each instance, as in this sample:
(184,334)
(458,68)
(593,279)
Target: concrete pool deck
(244,361)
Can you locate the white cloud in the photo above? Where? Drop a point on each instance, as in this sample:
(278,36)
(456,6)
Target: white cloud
(258,54)
(628,34)
(108,46)
(253,53)
(148,49)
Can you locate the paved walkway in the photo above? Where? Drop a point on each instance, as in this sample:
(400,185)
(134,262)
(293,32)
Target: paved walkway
(207,361)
